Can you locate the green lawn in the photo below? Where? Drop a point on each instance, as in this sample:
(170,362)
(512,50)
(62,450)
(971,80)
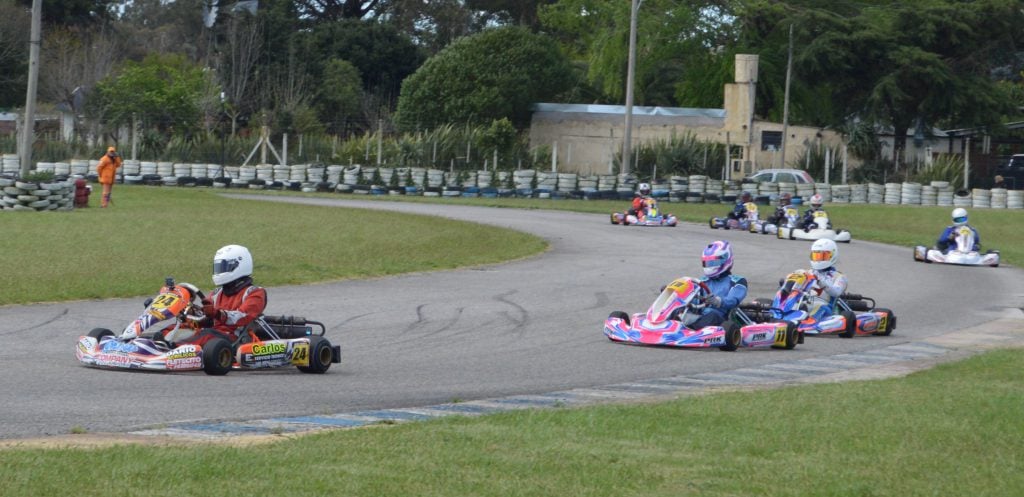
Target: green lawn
(896,225)
(153,232)
(950,431)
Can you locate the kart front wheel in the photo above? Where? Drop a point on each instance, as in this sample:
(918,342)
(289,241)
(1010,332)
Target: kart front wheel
(792,336)
(99,333)
(320,355)
(851,325)
(217,357)
(732,337)
(620,315)
(890,323)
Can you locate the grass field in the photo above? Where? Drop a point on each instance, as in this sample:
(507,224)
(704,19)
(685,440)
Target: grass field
(897,225)
(153,232)
(951,431)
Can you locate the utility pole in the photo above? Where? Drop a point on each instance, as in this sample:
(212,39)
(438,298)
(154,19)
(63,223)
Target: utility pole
(785,104)
(627,136)
(28,130)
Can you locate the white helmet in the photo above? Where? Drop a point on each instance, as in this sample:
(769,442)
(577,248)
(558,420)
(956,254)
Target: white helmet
(817,200)
(230,263)
(959,216)
(824,254)
(644,188)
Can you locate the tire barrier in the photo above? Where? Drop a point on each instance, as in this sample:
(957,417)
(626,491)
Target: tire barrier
(357,179)
(36,196)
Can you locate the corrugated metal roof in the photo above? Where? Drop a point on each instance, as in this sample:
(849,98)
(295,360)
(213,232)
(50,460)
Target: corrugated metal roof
(621,110)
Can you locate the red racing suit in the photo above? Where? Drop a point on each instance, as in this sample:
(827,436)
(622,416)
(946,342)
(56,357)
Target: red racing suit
(232,313)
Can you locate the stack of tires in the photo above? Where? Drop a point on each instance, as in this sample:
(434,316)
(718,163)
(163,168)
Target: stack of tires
(36,196)
(910,193)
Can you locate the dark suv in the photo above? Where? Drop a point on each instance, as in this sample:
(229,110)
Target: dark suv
(1013,172)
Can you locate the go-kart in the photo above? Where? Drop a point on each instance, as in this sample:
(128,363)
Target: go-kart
(848,316)
(964,238)
(650,215)
(158,340)
(821,228)
(743,223)
(667,322)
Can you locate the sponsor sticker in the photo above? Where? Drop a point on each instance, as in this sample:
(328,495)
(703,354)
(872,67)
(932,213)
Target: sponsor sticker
(185,363)
(263,349)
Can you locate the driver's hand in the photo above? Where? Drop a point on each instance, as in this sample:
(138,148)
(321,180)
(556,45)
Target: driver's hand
(208,308)
(714,301)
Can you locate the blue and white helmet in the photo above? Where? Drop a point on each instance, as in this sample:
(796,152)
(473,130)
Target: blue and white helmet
(959,216)
(717,258)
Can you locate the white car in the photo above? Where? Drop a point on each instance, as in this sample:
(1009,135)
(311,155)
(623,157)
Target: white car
(781,176)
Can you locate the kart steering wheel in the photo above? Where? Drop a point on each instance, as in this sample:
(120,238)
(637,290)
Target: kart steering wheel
(705,292)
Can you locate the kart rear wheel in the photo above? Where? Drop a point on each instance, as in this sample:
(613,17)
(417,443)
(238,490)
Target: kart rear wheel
(732,337)
(217,357)
(99,333)
(851,325)
(320,355)
(890,323)
(615,219)
(621,315)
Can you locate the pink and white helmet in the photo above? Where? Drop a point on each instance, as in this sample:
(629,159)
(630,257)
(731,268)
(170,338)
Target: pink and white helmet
(717,258)
(817,200)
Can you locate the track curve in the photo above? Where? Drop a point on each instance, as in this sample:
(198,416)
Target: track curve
(526,326)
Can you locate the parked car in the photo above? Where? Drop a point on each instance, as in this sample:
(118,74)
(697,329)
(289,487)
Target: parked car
(781,176)
(1013,172)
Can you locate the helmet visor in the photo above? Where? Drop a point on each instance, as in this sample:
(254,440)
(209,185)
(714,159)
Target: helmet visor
(224,265)
(714,260)
(821,255)
(960,219)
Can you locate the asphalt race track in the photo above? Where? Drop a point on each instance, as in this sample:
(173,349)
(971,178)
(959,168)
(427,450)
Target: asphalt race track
(528,326)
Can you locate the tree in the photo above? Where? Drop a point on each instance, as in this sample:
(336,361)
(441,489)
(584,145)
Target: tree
(494,74)
(433,25)
(335,10)
(74,60)
(516,12)
(163,91)
(671,35)
(74,12)
(13,53)
(242,47)
(340,94)
(910,65)
(383,55)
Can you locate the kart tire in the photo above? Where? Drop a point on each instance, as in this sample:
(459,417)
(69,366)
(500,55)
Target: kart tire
(792,336)
(99,333)
(851,325)
(858,305)
(890,323)
(614,219)
(711,224)
(621,315)
(217,357)
(320,355)
(732,337)
(762,301)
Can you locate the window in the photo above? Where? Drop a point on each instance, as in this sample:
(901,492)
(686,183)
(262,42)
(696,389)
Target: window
(771,140)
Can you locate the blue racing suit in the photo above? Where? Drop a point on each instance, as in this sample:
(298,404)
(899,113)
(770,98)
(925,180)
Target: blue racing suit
(730,290)
(738,212)
(947,240)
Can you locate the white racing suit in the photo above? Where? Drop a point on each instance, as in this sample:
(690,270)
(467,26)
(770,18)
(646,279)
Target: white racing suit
(829,284)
